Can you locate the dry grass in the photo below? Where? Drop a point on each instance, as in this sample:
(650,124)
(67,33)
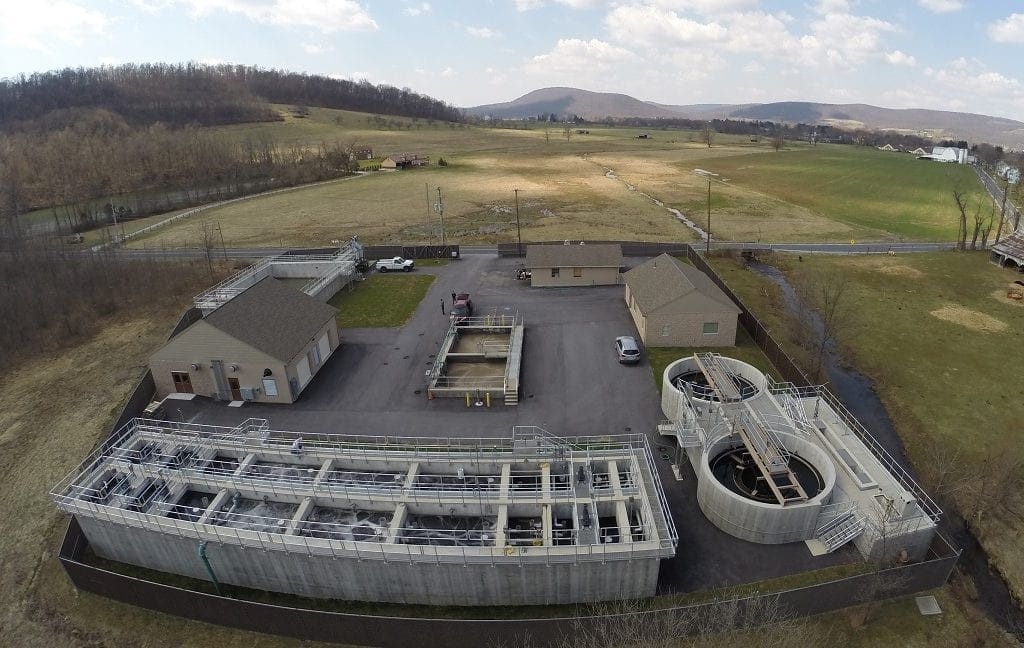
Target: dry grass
(52,410)
(971,319)
(825,193)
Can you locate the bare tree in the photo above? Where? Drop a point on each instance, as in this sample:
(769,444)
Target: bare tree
(997,475)
(961,204)
(547,134)
(778,141)
(978,222)
(567,131)
(707,134)
(208,231)
(822,315)
(986,228)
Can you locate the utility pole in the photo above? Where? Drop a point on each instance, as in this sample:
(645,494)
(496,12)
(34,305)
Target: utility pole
(708,248)
(439,208)
(519,229)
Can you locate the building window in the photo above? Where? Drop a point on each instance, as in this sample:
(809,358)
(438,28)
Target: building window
(710,328)
(554,272)
(577,272)
(314,356)
(270,387)
(664,331)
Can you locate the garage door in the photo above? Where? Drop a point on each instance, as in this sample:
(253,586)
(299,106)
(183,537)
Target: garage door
(303,370)
(325,347)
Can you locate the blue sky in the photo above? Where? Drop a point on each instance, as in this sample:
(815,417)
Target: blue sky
(943,54)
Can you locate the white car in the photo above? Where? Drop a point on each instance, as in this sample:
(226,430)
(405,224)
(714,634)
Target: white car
(628,349)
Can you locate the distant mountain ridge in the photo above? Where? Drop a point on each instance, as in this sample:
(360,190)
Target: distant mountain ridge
(938,124)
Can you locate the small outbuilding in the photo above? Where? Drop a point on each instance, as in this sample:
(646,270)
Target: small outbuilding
(574,265)
(404,161)
(263,345)
(675,304)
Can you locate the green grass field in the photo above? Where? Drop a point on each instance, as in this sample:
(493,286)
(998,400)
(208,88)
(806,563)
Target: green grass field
(823,193)
(941,340)
(381,301)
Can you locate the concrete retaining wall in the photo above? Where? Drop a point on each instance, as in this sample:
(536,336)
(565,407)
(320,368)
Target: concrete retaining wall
(396,581)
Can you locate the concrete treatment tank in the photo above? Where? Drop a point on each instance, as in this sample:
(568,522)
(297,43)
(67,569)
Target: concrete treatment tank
(759,477)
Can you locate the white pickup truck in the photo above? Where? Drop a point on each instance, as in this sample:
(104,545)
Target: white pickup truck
(396,264)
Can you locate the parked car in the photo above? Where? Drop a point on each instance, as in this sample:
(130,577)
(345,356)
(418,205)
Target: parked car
(462,309)
(397,263)
(627,349)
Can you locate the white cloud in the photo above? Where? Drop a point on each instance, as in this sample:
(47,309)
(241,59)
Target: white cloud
(110,60)
(448,72)
(35,25)
(964,77)
(649,26)
(753,67)
(327,16)
(482,32)
(528,5)
(941,6)
(576,55)
(314,48)
(1008,30)
(418,9)
(897,57)
(706,7)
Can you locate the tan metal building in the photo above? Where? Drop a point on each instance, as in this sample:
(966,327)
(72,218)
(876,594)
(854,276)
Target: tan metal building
(574,265)
(675,304)
(264,345)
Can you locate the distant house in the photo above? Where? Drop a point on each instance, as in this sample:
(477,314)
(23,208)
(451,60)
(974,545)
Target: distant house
(674,304)
(888,147)
(404,161)
(1009,252)
(574,265)
(362,153)
(918,151)
(264,345)
(643,136)
(1009,173)
(949,154)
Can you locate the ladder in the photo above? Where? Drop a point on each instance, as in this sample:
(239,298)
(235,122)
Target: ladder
(719,378)
(686,437)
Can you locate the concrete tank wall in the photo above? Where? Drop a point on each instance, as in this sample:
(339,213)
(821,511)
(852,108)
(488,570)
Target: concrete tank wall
(758,521)
(671,395)
(397,581)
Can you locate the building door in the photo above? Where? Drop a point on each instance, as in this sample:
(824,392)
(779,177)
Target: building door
(182,382)
(236,390)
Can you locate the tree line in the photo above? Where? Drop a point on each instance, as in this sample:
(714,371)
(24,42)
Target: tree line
(193,93)
(101,168)
(50,300)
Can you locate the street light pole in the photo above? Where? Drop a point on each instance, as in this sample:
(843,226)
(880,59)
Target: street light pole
(709,176)
(519,229)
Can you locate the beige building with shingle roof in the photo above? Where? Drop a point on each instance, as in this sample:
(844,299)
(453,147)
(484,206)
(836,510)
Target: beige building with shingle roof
(264,345)
(675,304)
(574,265)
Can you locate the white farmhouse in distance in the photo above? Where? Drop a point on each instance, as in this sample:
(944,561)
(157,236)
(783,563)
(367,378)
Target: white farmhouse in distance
(946,154)
(1009,173)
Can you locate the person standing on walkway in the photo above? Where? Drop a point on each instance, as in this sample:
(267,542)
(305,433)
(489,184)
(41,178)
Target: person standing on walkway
(453,299)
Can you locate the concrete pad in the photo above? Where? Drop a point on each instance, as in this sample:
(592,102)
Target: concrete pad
(236,403)
(927,605)
(181,397)
(816,547)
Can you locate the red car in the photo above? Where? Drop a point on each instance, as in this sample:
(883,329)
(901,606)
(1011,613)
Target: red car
(462,309)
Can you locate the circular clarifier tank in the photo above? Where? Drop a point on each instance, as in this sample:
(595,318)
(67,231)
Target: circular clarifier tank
(684,379)
(736,470)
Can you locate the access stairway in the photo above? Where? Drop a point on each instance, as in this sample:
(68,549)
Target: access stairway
(840,528)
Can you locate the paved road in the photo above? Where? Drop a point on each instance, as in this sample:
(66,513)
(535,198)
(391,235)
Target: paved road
(477,250)
(996,191)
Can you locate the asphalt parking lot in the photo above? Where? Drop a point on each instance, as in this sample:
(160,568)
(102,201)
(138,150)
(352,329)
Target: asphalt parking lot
(571,384)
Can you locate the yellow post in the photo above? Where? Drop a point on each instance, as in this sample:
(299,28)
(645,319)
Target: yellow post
(467,399)
(487,397)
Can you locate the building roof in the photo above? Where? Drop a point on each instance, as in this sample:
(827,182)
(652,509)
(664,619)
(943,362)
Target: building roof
(272,318)
(577,256)
(666,285)
(1011,246)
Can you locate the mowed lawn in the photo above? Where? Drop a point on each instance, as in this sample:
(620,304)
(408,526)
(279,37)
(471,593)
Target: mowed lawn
(381,301)
(893,194)
(944,346)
